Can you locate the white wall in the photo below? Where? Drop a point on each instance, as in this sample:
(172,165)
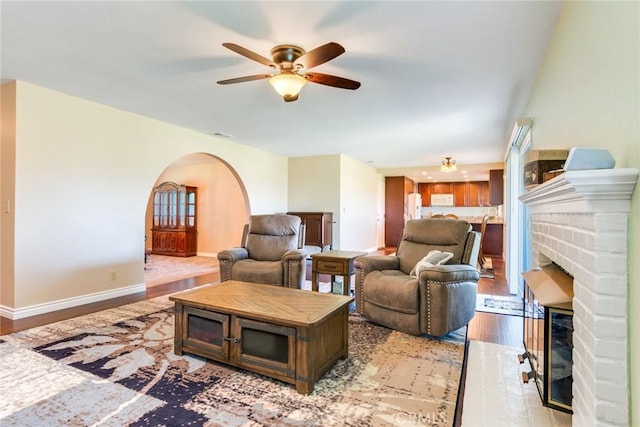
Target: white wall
(588,94)
(358,193)
(314,186)
(83,175)
(343,186)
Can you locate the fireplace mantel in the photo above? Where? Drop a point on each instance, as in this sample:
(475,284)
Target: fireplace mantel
(599,190)
(579,220)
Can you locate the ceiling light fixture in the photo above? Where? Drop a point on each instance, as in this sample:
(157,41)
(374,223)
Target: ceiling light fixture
(448,165)
(288,84)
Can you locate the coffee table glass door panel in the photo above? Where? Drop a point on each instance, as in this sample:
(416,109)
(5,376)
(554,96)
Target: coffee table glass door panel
(206,331)
(263,344)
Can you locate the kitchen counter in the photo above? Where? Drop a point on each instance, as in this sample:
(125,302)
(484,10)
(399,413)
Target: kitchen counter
(478,219)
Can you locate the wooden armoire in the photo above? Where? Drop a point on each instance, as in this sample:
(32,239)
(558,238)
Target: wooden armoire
(174,230)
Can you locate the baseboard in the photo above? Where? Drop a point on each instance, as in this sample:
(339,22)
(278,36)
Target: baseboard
(208,254)
(34,310)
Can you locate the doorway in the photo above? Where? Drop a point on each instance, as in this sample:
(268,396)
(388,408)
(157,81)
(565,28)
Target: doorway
(222,208)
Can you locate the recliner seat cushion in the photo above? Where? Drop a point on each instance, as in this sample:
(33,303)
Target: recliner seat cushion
(393,290)
(250,270)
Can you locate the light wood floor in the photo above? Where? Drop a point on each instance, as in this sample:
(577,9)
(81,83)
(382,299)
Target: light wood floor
(495,328)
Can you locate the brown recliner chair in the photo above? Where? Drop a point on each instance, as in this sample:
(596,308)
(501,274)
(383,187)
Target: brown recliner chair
(437,299)
(270,252)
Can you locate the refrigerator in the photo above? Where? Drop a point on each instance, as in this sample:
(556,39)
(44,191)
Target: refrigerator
(414,206)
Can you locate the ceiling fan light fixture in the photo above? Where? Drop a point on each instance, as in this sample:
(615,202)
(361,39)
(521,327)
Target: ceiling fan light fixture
(448,165)
(288,84)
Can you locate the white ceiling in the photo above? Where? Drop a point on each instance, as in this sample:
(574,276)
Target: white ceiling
(439,78)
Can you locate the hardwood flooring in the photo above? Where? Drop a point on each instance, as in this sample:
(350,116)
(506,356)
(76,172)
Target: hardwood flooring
(495,328)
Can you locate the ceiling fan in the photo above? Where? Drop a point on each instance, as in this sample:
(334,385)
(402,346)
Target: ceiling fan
(291,63)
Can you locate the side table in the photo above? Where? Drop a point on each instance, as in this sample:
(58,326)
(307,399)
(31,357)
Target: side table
(334,263)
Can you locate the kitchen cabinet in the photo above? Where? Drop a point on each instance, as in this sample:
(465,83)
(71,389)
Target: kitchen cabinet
(396,207)
(474,193)
(460,190)
(496,187)
(425,192)
(318,228)
(442,188)
(478,193)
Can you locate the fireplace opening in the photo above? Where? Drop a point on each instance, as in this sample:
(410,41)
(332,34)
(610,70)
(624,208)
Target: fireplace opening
(548,334)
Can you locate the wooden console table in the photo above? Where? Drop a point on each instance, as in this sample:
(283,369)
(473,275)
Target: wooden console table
(288,334)
(335,263)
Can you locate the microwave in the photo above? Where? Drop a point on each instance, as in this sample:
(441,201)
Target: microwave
(442,200)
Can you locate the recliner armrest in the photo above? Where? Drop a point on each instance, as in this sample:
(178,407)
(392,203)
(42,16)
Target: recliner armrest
(294,254)
(377,262)
(233,254)
(449,273)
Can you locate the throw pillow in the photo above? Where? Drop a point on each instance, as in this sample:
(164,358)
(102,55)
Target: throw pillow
(434,257)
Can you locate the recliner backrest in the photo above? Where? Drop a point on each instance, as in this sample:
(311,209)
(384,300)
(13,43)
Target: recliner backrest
(421,236)
(270,236)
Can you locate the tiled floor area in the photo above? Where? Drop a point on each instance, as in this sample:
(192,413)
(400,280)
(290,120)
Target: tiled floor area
(495,395)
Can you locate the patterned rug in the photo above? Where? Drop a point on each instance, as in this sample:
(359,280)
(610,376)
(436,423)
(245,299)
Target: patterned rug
(117,367)
(487,271)
(161,269)
(510,305)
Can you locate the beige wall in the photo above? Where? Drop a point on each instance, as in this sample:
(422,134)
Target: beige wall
(83,176)
(7,184)
(588,94)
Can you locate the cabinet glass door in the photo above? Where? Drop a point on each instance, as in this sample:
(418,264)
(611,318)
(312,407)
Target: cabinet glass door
(191,209)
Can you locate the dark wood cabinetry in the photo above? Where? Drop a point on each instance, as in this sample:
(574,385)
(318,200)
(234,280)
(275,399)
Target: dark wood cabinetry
(478,193)
(425,193)
(460,191)
(474,193)
(442,188)
(318,228)
(395,204)
(174,230)
(496,187)
(492,239)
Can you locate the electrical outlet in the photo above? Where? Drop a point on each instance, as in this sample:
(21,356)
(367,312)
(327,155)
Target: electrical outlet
(113,276)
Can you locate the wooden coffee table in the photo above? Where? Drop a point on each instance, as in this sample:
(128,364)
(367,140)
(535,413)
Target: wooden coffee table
(288,334)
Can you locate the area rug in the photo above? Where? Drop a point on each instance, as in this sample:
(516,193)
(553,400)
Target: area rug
(117,367)
(161,269)
(487,271)
(510,305)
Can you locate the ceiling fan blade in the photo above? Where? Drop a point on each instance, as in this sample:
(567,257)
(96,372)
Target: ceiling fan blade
(244,79)
(320,55)
(329,80)
(249,54)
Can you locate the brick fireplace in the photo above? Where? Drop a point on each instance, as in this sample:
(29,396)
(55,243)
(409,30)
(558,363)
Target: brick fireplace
(579,221)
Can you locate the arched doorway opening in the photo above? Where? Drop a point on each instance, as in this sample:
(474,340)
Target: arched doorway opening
(222,210)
